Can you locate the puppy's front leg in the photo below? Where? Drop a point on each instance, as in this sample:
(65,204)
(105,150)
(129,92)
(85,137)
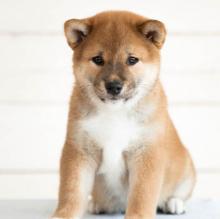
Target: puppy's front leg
(76,180)
(145,180)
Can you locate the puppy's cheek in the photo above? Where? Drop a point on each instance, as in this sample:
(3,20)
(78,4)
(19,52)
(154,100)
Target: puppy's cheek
(130,87)
(98,83)
(149,74)
(99,89)
(90,80)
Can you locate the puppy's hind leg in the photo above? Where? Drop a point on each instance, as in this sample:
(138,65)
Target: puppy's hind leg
(175,204)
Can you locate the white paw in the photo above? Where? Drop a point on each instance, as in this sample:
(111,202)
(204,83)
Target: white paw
(175,206)
(93,208)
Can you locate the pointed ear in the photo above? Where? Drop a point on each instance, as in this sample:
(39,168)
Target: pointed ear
(154,31)
(76,31)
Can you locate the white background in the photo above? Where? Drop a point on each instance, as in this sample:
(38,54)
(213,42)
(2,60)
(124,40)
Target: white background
(36,80)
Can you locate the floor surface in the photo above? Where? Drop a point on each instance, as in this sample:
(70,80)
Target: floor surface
(37,209)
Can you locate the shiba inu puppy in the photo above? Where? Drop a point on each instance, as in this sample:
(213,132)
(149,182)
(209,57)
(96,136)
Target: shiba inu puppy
(121,146)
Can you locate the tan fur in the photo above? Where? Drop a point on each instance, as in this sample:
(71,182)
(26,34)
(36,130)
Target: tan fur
(156,164)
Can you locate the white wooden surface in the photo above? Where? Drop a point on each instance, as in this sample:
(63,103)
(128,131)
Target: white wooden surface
(36,81)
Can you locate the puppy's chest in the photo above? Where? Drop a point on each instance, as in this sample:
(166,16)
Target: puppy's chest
(113,132)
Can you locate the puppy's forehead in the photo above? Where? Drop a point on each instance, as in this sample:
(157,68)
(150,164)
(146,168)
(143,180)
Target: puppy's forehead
(115,30)
(115,35)
(119,17)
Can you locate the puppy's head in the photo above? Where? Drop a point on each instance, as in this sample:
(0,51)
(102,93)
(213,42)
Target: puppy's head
(116,54)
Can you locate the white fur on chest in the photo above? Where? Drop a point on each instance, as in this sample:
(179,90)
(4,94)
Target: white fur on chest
(114,132)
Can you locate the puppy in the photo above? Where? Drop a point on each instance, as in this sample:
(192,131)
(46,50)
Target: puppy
(121,146)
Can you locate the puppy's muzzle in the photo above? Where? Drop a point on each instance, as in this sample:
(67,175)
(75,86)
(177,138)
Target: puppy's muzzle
(114,87)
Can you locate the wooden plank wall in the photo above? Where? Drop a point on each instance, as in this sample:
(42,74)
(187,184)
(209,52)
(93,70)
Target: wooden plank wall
(36,81)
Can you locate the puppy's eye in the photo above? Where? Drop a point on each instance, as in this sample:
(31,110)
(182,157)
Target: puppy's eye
(98,60)
(132,60)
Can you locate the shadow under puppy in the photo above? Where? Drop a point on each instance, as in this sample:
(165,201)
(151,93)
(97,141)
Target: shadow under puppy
(121,146)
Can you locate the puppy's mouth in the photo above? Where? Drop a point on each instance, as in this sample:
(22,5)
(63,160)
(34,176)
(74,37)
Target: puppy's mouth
(124,95)
(115,98)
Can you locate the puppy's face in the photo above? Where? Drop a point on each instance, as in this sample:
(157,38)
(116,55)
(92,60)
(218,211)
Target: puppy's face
(116,54)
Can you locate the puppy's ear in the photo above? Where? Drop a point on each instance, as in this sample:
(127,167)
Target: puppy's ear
(76,31)
(154,31)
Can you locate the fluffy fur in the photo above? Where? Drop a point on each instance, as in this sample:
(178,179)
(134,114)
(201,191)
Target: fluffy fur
(124,149)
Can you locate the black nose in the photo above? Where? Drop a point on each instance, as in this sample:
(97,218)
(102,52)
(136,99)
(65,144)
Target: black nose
(114,87)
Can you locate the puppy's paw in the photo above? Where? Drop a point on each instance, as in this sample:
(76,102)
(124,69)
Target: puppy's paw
(57,218)
(94,208)
(64,218)
(98,208)
(173,206)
